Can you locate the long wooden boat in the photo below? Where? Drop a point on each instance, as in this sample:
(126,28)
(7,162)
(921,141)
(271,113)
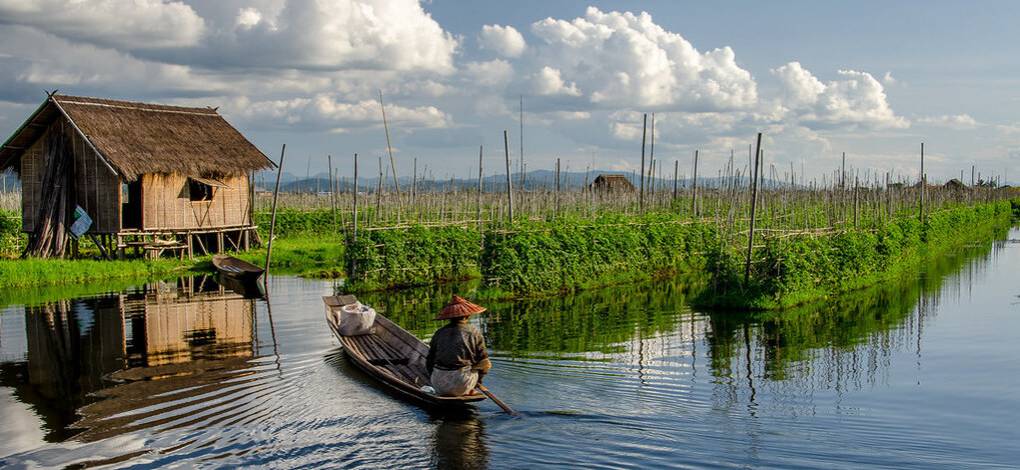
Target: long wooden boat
(392,355)
(236,268)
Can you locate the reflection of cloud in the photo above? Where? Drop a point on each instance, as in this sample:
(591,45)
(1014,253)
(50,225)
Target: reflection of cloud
(69,453)
(22,428)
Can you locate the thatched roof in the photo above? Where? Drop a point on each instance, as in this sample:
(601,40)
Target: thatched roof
(612,183)
(138,138)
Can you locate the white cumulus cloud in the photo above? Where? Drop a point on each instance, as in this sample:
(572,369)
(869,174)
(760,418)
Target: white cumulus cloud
(327,112)
(128,24)
(548,82)
(627,60)
(952,121)
(855,99)
(490,73)
(503,40)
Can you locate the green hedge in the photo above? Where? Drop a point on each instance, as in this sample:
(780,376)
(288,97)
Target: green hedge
(790,271)
(413,256)
(565,254)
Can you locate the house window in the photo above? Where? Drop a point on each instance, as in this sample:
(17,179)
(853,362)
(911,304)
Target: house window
(125,195)
(199,191)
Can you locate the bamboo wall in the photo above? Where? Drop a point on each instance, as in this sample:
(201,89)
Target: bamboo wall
(97,188)
(166,205)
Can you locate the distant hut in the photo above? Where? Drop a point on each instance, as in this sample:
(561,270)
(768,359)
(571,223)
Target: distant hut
(147,176)
(954,184)
(612,184)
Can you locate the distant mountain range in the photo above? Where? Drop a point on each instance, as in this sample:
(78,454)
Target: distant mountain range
(533,180)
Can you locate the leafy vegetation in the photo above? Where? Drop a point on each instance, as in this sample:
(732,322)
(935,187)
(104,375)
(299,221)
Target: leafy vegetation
(793,270)
(414,256)
(566,254)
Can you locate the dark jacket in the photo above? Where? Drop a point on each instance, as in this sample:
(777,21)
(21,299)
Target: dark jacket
(455,346)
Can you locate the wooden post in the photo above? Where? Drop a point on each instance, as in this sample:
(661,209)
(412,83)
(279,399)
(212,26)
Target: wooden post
(651,163)
(355,228)
(378,192)
(676,174)
(478,208)
(389,149)
(842,173)
(641,194)
(920,215)
(557,187)
(754,208)
(509,183)
(856,200)
(694,186)
(414,182)
(272,217)
(332,191)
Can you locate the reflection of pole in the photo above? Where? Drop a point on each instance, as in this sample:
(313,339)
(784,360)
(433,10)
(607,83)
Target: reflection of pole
(747,349)
(272,333)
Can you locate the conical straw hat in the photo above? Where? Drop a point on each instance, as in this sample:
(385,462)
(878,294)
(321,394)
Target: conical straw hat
(459,307)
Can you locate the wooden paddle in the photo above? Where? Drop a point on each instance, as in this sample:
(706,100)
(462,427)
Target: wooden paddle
(497,401)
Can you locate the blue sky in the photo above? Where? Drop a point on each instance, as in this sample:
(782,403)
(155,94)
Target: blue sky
(872,79)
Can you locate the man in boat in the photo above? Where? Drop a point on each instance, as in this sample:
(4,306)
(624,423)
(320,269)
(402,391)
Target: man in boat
(457,358)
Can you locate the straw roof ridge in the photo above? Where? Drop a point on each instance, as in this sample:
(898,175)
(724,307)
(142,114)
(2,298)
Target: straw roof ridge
(138,138)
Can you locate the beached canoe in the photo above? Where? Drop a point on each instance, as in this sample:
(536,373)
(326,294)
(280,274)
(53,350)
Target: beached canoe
(236,268)
(391,355)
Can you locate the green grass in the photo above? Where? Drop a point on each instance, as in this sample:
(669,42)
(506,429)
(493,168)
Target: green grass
(42,272)
(304,255)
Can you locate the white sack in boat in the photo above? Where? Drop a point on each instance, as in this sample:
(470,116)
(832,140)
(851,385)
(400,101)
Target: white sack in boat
(356,319)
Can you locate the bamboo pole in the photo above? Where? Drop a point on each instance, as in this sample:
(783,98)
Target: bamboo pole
(676,174)
(478,205)
(557,187)
(389,149)
(641,193)
(355,228)
(509,183)
(694,186)
(332,191)
(921,180)
(754,208)
(272,218)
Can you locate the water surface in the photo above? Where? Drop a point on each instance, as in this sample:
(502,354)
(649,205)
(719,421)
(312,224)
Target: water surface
(919,373)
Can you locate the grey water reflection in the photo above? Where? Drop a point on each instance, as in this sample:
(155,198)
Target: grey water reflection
(920,372)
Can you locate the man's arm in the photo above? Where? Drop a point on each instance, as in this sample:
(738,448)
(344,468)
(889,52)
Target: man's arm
(430,359)
(480,354)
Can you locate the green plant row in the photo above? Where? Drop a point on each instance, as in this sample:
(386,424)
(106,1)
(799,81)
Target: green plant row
(382,259)
(543,257)
(566,254)
(794,270)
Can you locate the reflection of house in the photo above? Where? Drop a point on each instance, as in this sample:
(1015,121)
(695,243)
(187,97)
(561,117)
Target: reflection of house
(612,183)
(181,325)
(131,350)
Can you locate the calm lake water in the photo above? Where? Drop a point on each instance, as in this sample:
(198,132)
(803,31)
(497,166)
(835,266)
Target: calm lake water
(921,373)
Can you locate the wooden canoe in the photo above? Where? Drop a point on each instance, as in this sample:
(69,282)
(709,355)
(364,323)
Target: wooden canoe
(236,268)
(393,356)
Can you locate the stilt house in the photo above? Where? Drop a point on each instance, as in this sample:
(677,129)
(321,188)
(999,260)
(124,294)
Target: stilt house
(149,177)
(612,184)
